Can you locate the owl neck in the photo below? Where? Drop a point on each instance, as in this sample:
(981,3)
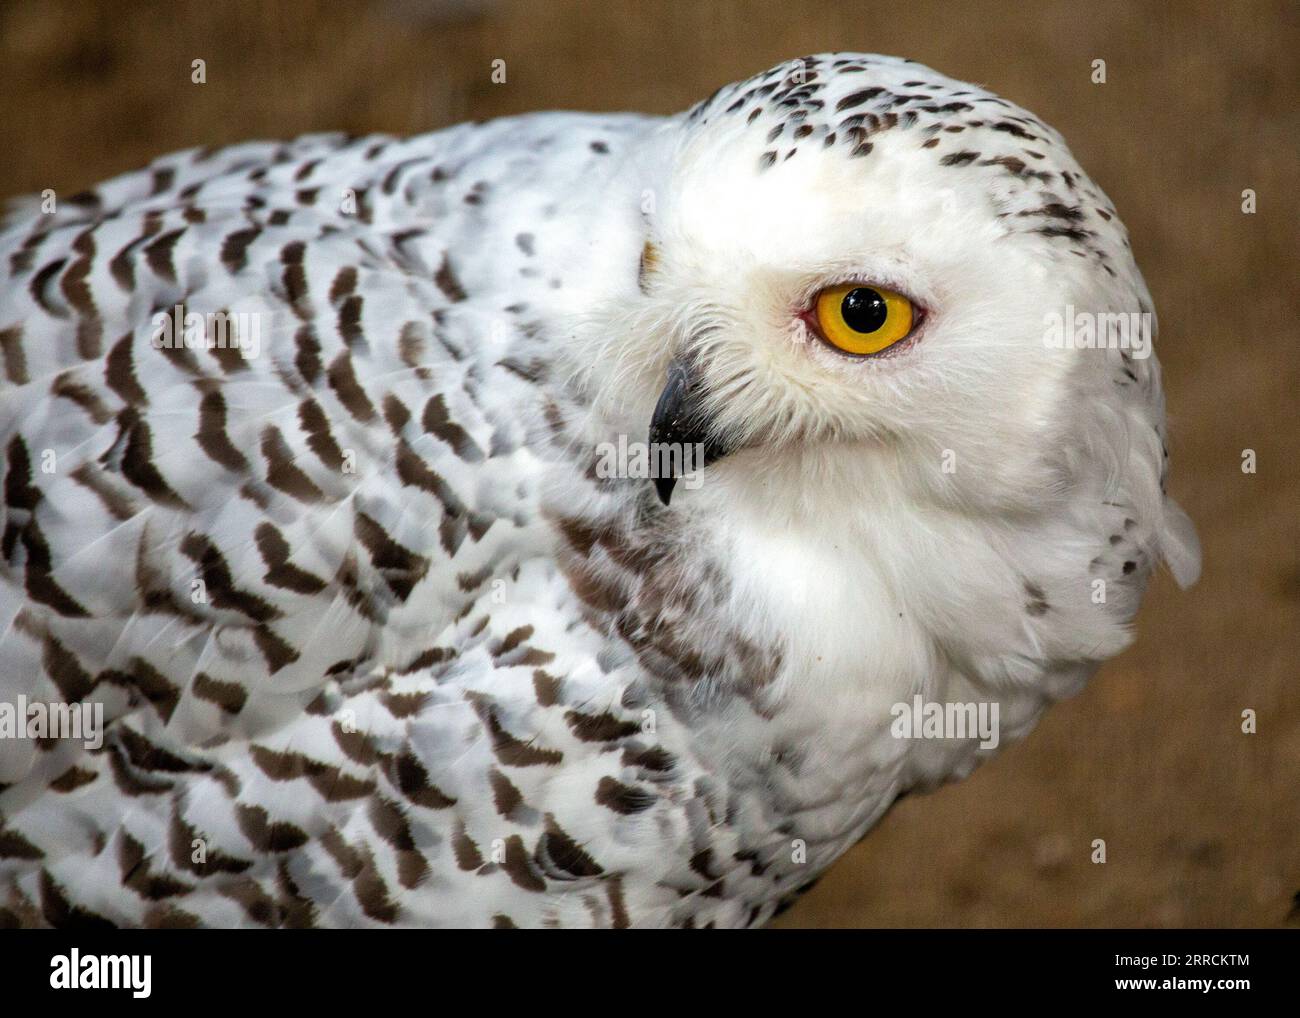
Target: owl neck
(721,604)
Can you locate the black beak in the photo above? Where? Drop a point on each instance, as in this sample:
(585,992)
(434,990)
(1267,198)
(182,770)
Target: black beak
(680,420)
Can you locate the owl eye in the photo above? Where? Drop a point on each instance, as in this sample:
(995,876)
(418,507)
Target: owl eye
(862,320)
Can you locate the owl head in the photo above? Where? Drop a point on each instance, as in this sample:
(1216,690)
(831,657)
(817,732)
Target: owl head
(857,281)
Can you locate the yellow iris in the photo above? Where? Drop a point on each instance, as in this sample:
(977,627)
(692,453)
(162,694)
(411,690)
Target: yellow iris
(863,319)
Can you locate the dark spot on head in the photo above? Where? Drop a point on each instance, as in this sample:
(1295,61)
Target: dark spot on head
(857,98)
(1072,232)
(1014,130)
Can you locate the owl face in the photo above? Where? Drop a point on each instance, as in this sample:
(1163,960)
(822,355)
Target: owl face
(864,266)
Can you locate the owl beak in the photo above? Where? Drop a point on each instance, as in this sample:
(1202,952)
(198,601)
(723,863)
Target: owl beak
(680,428)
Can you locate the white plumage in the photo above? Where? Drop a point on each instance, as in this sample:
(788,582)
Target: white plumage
(374,640)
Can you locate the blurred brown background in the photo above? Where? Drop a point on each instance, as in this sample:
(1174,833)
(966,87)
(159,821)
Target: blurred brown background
(1201,821)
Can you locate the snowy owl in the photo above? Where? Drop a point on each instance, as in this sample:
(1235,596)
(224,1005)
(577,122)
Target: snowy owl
(550,521)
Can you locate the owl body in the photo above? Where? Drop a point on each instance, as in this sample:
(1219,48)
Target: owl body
(303,498)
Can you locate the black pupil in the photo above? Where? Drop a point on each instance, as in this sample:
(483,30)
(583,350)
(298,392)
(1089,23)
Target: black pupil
(864,310)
